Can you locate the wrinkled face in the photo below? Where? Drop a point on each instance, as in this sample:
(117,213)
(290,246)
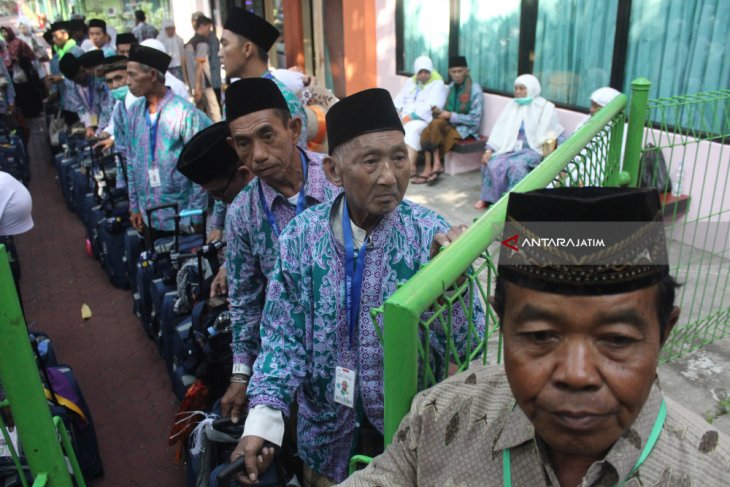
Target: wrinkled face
(520,91)
(140,83)
(115,79)
(581,367)
(458,74)
(373,169)
(123,49)
(594,107)
(170,31)
(264,143)
(97,36)
(231,54)
(423,75)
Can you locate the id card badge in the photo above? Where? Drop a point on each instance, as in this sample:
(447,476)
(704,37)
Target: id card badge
(518,145)
(345,386)
(155,181)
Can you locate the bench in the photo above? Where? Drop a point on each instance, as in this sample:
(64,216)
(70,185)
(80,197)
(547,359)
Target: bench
(465,156)
(674,207)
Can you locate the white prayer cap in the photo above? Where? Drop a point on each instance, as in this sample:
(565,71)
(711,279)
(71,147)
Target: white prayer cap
(422,62)
(154,44)
(603,96)
(168,23)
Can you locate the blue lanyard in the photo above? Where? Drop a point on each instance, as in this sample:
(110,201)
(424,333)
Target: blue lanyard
(651,441)
(353,273)
(301,201)
(152,128)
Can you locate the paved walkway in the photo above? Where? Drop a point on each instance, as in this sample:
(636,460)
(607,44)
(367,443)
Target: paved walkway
(118,367)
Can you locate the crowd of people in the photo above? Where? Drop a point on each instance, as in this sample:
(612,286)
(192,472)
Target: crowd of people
(317,241)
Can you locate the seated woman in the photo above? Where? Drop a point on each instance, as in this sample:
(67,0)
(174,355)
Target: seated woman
(518,141)
(460,118)
(422,91)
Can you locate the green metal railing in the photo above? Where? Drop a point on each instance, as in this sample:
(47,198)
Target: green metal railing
(590,157)
(40,435)
(685,129)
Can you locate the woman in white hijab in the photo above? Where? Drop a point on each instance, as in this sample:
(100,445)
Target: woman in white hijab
(516,144)
(421,91)
(25,34)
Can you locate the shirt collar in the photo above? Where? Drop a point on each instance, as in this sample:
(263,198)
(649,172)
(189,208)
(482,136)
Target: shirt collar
(313,188)
(516,430)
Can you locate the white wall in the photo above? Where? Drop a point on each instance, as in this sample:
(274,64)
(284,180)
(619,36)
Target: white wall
(181,13)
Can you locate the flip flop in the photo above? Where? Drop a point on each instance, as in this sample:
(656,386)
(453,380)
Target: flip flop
(433,178)
(420,179)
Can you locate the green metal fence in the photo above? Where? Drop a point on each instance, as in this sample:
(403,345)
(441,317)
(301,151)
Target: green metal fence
(590,157)
(40,435)
(697,211)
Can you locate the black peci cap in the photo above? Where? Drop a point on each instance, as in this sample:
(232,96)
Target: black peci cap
(252,27)
(371,110)
(253,95)
(207,156)
(150,57)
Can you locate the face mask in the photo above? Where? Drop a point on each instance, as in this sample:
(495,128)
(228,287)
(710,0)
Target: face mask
(524,101)
(119,93)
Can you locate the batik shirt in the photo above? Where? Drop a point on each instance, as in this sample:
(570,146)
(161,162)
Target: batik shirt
(120,119)
(468,124)
(252,251)
(177,122)
(87,101)
(456,433)
(305,330)
(297,111)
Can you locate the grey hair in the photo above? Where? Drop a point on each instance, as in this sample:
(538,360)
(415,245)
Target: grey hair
(147,69)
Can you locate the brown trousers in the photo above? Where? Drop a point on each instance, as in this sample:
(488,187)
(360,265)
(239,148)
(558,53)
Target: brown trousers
(441,135)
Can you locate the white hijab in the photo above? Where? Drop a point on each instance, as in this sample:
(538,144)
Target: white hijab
(539,117)
(604,96)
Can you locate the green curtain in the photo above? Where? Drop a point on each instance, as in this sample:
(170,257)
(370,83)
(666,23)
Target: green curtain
(681,46)
(489,37)
(426,33)
(574,48)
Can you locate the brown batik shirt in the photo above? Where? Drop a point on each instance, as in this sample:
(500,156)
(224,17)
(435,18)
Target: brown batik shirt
(455,434)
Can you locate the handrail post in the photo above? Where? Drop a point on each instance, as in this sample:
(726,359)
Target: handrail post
(637,118)
(400,365)
(20,377)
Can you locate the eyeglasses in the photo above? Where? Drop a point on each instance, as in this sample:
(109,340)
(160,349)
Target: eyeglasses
(221,193)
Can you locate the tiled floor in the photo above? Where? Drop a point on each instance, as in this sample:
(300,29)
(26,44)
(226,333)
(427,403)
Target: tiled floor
(118,367)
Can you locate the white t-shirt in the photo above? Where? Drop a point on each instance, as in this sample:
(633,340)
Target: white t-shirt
(15,206)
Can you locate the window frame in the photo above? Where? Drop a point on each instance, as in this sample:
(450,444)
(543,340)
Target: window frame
(527,41)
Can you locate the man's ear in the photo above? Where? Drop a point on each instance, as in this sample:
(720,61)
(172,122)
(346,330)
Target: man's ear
(245,173)
(295,126)
(230,142)
(667,330)
(332,171)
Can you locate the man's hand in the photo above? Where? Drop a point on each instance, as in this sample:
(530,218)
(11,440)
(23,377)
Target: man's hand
(219,286)
(214,234)
(444,240)
(258,458)
(90,132)
(444,115)
(197,96)
(105,144)
(234,401)
(136,220)
(486,156)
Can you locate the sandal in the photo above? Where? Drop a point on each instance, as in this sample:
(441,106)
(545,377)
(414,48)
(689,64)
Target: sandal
(420,179)
(481,205)
(433,178)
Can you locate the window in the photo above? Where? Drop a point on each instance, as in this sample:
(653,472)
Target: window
(682,48)
(426,33)
(577,46)
(574,48)
(489,34)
